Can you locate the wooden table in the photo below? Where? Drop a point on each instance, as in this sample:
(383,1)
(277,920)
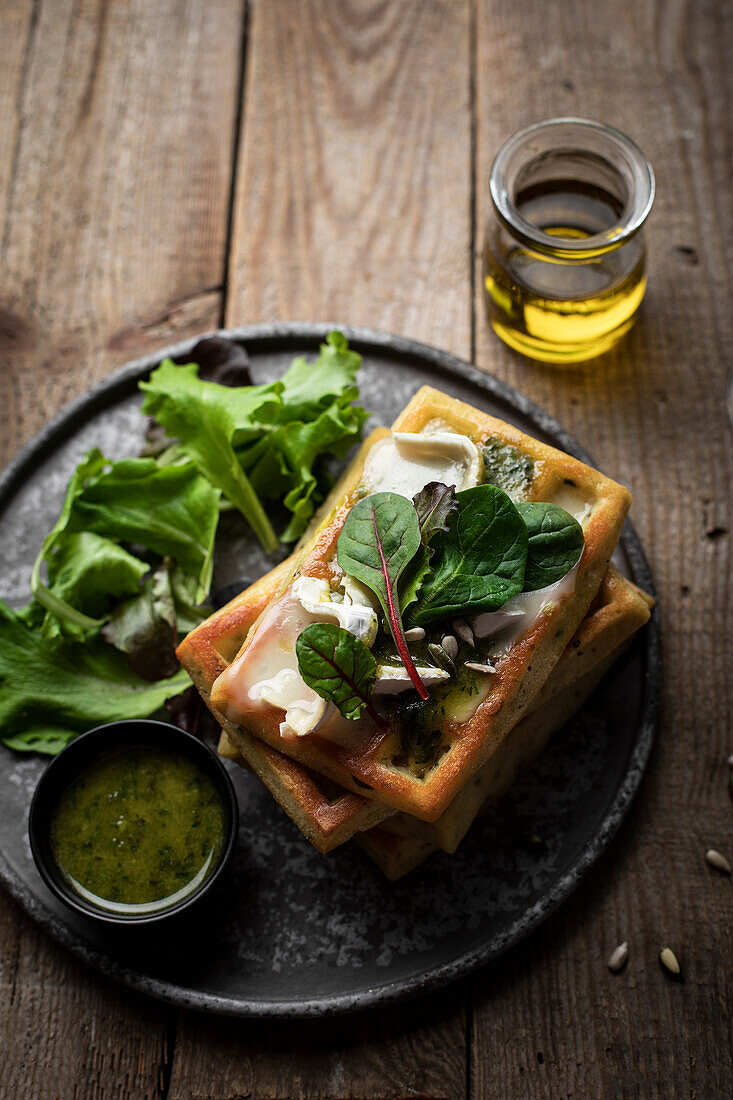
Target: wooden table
(169,166)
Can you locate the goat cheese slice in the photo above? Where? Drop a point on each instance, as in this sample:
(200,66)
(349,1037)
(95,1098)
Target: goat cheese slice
(520,614)
(405,462)
(267,673)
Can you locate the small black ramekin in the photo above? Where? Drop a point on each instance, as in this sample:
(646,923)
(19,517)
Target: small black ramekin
(85,751)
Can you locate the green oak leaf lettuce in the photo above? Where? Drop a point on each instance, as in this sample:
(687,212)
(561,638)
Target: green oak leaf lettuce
(260,443)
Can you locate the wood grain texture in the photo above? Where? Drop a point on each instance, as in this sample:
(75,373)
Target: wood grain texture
(353,205)
(117,137)
(354,190)
(653,414)
(367,132)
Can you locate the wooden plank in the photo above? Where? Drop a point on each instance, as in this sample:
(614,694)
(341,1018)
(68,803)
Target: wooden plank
(116,138)
(352,205)
(118,123)
(67,1032)
(353,195)
(653,414)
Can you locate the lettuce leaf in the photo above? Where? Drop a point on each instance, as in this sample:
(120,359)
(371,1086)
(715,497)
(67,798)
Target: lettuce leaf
(171,511)
(51,690)
(261,443)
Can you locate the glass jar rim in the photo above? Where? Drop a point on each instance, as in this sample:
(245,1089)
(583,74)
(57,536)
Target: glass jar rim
(603,142)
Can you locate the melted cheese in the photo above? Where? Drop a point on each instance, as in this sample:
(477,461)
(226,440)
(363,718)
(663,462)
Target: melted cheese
(267,675)
(520,614)
(404,462)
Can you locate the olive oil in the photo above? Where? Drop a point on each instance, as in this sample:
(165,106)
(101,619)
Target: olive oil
(559,302)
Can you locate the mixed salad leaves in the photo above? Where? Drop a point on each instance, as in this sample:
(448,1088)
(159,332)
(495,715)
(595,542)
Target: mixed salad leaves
(126,570)
(463,553)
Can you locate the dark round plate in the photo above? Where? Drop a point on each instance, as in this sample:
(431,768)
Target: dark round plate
(291,932)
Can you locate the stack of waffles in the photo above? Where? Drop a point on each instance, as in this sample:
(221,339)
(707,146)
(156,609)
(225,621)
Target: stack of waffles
(396,801)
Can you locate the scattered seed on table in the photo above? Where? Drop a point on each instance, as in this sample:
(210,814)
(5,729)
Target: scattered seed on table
(618,957)
(668,959)
(718,861)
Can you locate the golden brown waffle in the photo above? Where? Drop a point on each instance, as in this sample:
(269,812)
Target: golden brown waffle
(618,611)
(378,767)
(325,813)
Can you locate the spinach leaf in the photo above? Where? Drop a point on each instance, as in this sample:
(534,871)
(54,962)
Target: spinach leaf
(413,578)
(52,690)
(555,544)
(380,537)
(338,666)
(479,563)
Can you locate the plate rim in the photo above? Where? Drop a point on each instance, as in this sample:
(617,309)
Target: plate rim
(61,426)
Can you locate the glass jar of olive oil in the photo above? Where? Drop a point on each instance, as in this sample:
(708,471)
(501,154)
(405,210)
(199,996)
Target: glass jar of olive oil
(564,261)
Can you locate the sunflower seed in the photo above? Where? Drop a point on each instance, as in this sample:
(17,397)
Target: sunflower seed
(730,761)
(719,862)
(414,634)
(450,645)
(668,959)
(476,667)
(463,630)
(441,657)
(618,957)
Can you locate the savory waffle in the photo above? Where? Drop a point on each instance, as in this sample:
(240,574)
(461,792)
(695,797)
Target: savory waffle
(326,814)
(618,611)
(399,851)
(329,816)
(472,728)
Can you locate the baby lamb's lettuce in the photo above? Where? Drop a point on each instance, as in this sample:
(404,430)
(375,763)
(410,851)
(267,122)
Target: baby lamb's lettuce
(260,443)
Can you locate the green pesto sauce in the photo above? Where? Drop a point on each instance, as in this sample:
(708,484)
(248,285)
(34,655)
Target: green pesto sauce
(142,827)
(507,467)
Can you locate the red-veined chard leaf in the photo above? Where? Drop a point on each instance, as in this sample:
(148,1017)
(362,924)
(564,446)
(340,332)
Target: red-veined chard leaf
(379,539)
(337,665)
